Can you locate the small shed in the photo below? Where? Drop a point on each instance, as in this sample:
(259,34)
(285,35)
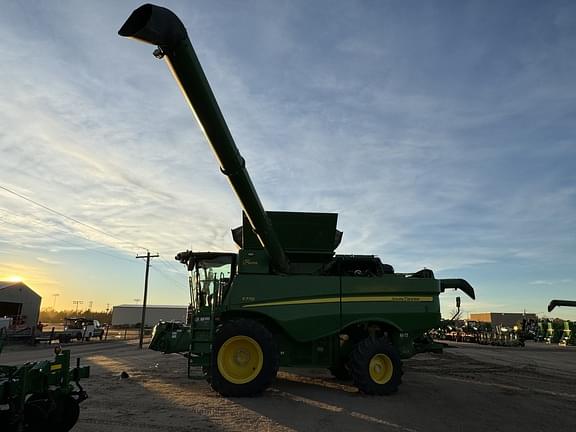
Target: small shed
(130,315)
(21,303)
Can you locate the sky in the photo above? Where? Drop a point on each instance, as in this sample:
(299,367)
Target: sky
(442,132)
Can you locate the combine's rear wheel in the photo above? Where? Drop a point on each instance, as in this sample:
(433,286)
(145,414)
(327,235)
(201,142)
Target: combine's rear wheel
(376,367)
(244,358)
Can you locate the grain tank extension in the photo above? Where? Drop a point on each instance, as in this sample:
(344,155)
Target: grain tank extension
(285,299)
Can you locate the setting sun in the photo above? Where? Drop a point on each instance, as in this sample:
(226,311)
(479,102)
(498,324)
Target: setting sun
(14,279)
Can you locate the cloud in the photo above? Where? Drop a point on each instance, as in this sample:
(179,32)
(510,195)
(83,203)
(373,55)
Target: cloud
(454,153)
(551,282)
(49,261)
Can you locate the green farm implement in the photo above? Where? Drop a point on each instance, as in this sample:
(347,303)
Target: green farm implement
(554,303)
(41,396)
(567,334)
(285,299)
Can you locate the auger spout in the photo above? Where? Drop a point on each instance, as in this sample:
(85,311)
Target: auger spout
(159,26)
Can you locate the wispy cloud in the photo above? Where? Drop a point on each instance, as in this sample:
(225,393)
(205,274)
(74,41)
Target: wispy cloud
(439,144)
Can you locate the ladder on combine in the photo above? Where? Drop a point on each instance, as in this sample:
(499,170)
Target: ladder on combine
(202,324)
(201,335)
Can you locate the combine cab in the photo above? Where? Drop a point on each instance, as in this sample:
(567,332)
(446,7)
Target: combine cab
(286,298)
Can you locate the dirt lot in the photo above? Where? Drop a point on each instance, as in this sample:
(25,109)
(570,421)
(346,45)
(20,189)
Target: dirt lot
(468,388)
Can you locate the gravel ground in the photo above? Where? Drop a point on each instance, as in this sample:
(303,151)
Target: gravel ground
(468,388)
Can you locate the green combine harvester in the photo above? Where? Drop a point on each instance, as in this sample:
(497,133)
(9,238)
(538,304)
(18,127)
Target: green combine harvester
(41,396)
(285,299)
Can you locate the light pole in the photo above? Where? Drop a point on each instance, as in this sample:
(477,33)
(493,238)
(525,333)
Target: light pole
(54,302)
(77,302)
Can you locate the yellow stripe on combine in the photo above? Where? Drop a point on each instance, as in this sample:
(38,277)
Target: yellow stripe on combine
(345,300)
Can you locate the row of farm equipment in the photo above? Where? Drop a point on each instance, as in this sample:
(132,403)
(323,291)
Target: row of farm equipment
(544,330)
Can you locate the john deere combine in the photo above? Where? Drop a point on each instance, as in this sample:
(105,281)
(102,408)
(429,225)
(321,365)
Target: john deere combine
(41,396)
(285,299)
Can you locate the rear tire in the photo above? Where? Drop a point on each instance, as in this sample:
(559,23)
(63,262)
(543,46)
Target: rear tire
(376,367)
(244,358)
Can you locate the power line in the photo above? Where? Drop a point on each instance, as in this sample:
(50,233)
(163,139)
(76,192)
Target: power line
(171,265)
(169,278)
(178,284)
(56,212)
(29,228)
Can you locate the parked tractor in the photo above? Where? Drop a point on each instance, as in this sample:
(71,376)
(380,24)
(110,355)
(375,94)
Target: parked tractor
(41,396)
(285,299)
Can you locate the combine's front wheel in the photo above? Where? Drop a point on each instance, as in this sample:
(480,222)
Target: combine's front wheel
(376,367)
(244,358)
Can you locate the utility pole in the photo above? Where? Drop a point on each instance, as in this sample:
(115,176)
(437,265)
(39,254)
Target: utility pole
(147,256)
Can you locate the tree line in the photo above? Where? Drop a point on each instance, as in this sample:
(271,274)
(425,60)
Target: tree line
(53,316)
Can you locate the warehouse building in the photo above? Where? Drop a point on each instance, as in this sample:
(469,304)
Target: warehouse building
(21,304)
(131,315)
(505,319)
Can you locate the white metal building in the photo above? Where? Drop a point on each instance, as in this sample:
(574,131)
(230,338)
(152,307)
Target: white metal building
(128,314)
(19,302)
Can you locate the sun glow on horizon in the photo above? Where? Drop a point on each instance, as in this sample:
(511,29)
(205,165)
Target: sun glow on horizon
(13,278)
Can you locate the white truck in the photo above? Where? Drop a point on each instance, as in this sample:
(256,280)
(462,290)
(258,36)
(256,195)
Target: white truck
(80,329)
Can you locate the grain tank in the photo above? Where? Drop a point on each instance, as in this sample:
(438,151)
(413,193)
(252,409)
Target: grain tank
(285,299)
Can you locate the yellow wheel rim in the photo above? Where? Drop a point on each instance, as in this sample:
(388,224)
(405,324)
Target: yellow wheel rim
(240,359)
(381,368)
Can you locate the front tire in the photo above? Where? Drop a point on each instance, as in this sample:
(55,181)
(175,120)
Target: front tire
(376,367)
(244,358)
